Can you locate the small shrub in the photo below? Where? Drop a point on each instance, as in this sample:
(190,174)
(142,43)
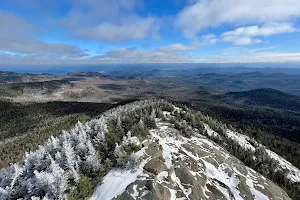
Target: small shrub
(84,190)
(132,148)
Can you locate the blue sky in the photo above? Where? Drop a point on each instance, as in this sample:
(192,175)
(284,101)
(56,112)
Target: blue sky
(148,31)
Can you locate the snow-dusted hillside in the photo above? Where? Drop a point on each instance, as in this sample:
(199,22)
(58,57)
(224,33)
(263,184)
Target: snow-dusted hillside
(176,167)
(151,150)
(293,173)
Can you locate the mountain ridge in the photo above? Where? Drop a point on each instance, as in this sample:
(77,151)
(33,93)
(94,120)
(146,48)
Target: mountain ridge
(267,97)
(117,141)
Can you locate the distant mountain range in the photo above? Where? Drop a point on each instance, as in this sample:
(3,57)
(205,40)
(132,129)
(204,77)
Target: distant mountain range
(255,126)
(267,97)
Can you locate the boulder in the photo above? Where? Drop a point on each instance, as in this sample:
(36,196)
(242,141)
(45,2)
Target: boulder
(155,166)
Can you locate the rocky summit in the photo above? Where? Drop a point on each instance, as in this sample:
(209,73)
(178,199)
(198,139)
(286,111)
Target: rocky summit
(176,167)
(151,150)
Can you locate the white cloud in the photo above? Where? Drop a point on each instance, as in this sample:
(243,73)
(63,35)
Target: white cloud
(30,47)
(212,13)
(265,30)
(195,44)
(242,51)
(245,54)
(134,30)
(239,41)
(209,38)
(13,26)
(258,57)
(177,47)
(261,49)
(116,21)
(92,12)
(112,21)
(132,55)
(246,35)
(16,37)
(119,55)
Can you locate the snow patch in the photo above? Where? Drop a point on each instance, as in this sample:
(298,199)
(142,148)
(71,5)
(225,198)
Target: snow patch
(220,175)
(116,181)
(162,175)
(294,172)
(209,131)
(241,139)
(114,184)
(135,192)
(257,194)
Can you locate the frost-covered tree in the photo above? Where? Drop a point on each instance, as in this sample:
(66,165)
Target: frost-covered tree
(18,171)
(60,185)
(4,193)
(118,128)
(120,156)
(57,166)
(70,156)
(92,159)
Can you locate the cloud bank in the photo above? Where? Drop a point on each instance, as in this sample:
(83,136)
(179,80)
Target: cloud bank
(213,13)
(131,31)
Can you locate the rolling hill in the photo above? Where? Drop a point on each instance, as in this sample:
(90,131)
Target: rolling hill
(267,97)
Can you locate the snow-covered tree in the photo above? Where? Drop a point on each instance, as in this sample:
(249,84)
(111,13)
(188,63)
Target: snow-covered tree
(71,159)
(61,178)
(93,159)
(50,171)
(18,172)
(4,194)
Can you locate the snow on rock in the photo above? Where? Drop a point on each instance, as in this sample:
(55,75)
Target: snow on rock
(294,172)
(241,139)
(191,168)
(177,109)
(196,168)
(166,113)
(210,132)
(162,135)
(215,166)
(220,175)
(114,184)
(117,180)
(257,194)
(162,175)
(135,192)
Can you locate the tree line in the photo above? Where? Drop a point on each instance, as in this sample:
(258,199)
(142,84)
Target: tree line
(72,164)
